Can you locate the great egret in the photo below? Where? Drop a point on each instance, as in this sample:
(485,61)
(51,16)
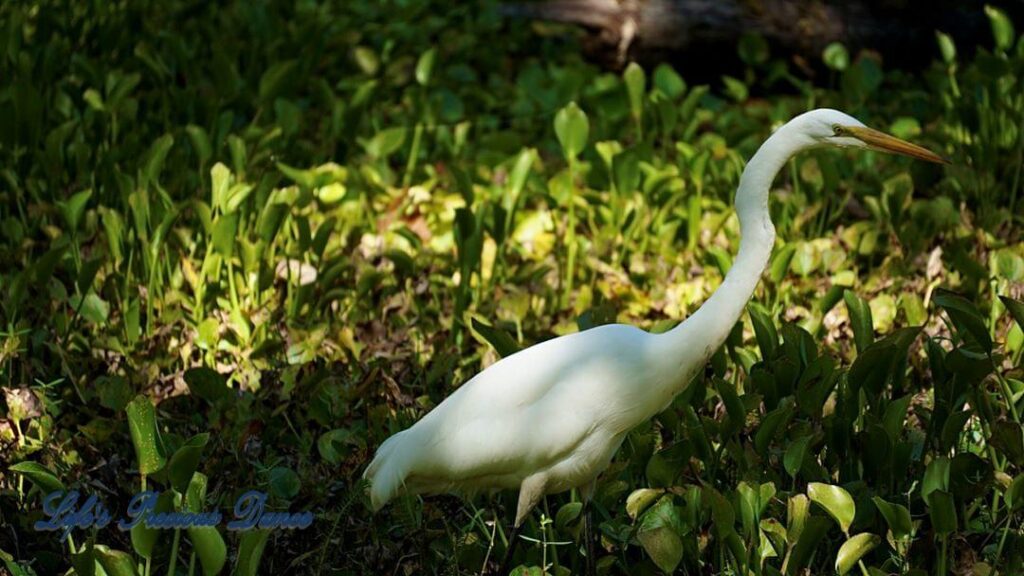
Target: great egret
(550,418)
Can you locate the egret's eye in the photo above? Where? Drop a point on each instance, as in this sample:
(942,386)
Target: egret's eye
(838,130)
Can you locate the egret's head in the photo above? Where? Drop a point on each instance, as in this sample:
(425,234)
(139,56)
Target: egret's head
(834,128)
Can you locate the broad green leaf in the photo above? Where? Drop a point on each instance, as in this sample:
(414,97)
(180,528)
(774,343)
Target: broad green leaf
(144,539)
(276,79)
(836,501)
(896,516)
(942,509)
(764,330)
(115,562)
(333,445)
(1015,493)
(1008,438)
(567,514)
(206,383)
(640,499)
(39,475)
(795,454)
(860,320)
(386,142)
(797,510)
(284,482)
(210,548)
(854,549)
(224,230)
(500,340)
(636,85)
(200,142)
(936,477)
(155,159)
(572,129)
(836,56)
(966,318)
(84,561)
(669,81)
(220,180)
(185,461)
(142,425)
(425,66)
(811,535)
(1015,308)
(74,208)
(250,551)
(659,536)
(1002,27)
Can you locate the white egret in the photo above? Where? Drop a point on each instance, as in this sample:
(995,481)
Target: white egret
(549,418)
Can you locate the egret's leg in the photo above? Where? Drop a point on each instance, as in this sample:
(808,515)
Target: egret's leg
(513,539)
(586,494)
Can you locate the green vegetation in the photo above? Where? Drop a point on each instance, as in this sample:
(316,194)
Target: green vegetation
(295,228)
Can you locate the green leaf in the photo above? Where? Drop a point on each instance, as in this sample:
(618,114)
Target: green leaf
(797,511)
(764,330)
(145,437)
(501,341)
(220,180)
(942,509)
(1015,493)
(74,208)
(206,383)
(572,129)
(115,392)
(333,445)
(185,461)
(1015,308)
(966,318)
(669,81)
(936,478)
(115,562)
(250,550)
(425,66)
(658,534)
(385,143)
(93,308)
(143,538)
(39,475)
(946,47)
(640,499)
(836,57)
(210,548)
(1002,27)
(795,454)
(155,159)
(567,514)
(284,482)
(636,85)
(1008,439)
(84,561)
(224,230)
(860,320)
(854,549)
(836,501)
(813,532)
(276,79)
(200,142)
(896,516)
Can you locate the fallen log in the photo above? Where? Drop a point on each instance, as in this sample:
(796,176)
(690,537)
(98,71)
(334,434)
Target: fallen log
(701,34)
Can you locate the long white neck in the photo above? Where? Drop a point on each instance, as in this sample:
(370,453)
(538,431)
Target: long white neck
(688,346)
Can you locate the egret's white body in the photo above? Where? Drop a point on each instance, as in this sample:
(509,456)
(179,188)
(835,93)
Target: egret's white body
(550,418)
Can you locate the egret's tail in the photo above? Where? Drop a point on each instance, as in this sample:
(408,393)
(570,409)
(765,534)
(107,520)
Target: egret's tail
(389,469)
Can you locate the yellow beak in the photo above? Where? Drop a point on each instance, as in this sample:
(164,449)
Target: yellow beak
(886,143)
